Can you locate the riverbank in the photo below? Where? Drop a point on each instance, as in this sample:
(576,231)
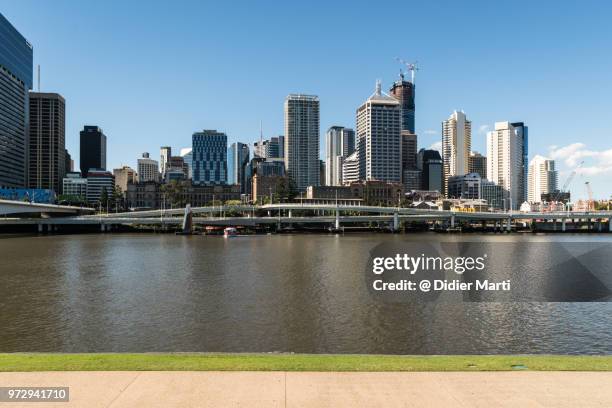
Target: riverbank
(26,362)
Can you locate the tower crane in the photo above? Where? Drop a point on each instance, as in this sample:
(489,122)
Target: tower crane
(411,66)
(555,198)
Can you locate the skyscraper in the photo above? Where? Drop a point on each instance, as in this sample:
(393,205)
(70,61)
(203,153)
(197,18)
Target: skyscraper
(187,155)
(456,146)
(47,141)
(403,91)
(302,140)
(409,150)
(209,157)
(237,160)
(273,148)
(339,144)
(93,149)
(148,169)
(522,132)
(165,152)
(477,163)
(379,138)
(542,178)
(504,161)
(430,164)
(15,82)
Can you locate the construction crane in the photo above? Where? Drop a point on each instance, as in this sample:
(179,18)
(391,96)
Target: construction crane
(555,198)
(411,66)
(591,202)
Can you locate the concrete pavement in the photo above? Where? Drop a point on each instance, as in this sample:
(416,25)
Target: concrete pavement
(322,389)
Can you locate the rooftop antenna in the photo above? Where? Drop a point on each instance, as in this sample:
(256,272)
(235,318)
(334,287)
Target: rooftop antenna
(38,77)
(412,67)
(378,87)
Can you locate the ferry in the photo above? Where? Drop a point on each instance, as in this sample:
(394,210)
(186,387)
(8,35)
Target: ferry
(230,232)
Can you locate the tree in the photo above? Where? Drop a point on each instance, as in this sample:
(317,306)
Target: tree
(104,197)
(174,193)
(117,197)
(286,190)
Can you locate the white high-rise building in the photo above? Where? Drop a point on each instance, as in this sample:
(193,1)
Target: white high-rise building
(302,140)
(505,161)
(542,178)
(165,152)
(456,146)
(379,121)
(148,169)
(339,144)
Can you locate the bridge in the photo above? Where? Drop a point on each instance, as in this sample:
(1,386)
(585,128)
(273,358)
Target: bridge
(286,214)
(25,207)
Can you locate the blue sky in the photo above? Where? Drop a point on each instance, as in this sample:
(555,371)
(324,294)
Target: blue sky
(150,73)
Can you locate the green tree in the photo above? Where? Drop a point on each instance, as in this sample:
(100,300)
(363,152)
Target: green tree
(286,190)
(174,193)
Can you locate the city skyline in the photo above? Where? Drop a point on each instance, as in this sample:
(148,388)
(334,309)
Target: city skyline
(541,106)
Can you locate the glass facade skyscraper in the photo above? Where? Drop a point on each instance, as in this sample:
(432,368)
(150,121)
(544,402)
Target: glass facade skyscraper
(237,159)
(93,149)
(15,82)
(522,132)
(209,149)
(403,91)
(302,140)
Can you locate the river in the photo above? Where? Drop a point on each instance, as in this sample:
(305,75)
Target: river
(270,293)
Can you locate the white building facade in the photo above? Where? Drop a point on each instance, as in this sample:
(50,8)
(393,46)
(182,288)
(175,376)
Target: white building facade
(339,144)
(542,178)
(148,169)
(505,161)
(378,137)
(456,146)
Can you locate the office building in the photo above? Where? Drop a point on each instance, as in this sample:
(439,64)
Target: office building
(47,141)
(350,169)
(237,160)
(187,155)
(176,169)
(148,169)
(339,144)
(74,186)
(412,179)
(522,133)
(409,150)
(273,148)
(99,183)
(165,152)
(504,161)
(15,82)
(495,195)
(93,149)
(379,138)
(69,163)
(302,140)
(430,163)
(124,176)
(466,186)
(542,179)
(477,163)
(209,157)
(150,195)
(403,91)
(456,146)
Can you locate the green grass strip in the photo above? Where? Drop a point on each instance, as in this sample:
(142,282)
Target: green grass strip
(295,362)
